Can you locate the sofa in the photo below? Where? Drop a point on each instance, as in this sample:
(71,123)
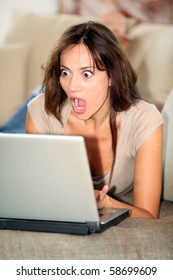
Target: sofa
(25,44)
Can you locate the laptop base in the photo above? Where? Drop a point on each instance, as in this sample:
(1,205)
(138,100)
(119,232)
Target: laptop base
(60,227)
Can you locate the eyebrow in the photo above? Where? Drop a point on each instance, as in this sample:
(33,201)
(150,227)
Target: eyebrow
(82,68)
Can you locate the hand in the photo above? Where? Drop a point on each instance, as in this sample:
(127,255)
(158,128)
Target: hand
(101,197)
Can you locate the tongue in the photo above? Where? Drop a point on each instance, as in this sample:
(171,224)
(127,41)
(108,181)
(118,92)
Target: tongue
(81,103)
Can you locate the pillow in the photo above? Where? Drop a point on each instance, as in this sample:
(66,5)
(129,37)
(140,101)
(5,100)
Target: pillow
(142,36)
(167,113)
(151,54)
(155,76)
(13,70)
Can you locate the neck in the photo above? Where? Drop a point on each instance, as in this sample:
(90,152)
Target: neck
(99,118)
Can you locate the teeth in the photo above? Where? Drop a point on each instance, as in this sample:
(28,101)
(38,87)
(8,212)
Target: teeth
(76,101)
(78,104)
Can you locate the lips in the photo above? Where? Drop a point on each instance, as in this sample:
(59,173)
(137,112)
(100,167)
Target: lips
(79,105)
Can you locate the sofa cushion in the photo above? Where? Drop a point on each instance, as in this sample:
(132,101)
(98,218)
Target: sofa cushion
(167,113)
(152,57)
(13,67)
(142,37)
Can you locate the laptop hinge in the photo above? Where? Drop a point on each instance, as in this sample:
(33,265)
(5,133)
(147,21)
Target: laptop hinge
(93,227)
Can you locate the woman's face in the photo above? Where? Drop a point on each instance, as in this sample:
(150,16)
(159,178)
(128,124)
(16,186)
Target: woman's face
(85,85)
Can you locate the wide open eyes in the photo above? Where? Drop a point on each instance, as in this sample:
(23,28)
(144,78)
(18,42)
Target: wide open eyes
(87,74)
(65,72)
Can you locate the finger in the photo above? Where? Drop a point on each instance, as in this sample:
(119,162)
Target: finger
(104,191)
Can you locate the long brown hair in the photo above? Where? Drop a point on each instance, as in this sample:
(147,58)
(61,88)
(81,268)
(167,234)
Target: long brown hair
(108,55)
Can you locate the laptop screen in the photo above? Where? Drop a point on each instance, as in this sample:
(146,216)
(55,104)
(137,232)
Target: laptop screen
(45,177)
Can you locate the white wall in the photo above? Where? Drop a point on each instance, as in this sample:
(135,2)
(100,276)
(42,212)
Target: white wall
(36,6)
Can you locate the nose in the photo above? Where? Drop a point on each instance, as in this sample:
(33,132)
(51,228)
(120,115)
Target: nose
(74,84)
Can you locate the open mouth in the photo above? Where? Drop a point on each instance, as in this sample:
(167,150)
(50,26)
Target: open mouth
(79,105)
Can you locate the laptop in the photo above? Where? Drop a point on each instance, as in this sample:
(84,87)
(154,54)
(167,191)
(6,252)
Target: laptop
(46,185)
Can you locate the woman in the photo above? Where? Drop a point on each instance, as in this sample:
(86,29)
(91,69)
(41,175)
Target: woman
(89,89)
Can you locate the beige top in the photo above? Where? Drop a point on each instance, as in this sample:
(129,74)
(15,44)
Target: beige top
(136,125)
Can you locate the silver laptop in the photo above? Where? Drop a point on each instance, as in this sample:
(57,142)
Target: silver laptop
(46,185)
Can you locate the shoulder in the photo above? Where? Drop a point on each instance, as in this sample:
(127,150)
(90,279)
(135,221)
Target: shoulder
(38,114)
(142,107)
(37,101)
(143,111)
(46,123)
(38,104)
(140,121)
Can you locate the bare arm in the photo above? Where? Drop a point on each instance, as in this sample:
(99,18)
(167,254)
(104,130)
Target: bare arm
(29,125)
(147,180)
